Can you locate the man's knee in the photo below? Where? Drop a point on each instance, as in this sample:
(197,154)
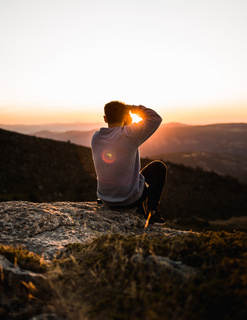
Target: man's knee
(154,171)
(160,166)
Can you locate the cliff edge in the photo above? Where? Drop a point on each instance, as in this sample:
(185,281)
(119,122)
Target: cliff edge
(46,228)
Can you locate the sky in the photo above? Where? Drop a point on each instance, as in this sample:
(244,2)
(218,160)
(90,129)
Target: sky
(63,60)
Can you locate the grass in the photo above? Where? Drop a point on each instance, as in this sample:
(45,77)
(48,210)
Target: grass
(24,258)
(104,279)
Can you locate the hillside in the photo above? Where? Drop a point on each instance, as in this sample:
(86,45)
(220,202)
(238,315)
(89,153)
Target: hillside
(197,199)
(45,170)
(223,164)
(38,169)
(224,146)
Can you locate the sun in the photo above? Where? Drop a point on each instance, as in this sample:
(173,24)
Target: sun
(135,118)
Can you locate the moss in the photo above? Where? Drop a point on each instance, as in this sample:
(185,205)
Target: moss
(24,259)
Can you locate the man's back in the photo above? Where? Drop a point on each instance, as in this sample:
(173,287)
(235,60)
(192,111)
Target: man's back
(116,158)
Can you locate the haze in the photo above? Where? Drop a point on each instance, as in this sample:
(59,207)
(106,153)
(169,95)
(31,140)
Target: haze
(62,60)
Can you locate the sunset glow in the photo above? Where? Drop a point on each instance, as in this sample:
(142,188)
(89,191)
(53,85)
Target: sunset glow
(135,118)
(63,60)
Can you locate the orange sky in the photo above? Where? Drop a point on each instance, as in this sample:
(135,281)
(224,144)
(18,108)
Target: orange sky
(202,115)
(62,60)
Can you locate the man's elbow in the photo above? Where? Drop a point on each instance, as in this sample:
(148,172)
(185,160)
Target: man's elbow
(159,120)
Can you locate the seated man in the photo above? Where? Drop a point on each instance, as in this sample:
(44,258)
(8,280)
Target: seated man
(117,162)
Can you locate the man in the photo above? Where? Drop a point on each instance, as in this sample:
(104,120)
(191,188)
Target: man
(117,161)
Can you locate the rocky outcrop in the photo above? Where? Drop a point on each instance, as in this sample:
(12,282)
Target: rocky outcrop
(176,277)
(16,279)
(46,228)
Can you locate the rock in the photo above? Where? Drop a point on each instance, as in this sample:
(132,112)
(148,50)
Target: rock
(46,228)
(16,280)
(160,264)
(23,219)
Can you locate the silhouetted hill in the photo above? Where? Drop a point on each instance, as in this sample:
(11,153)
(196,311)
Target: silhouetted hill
(224,145)
(82,138)
(43,170)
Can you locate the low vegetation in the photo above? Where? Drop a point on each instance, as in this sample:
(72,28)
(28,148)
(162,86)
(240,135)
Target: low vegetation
(112,278)
(25,259)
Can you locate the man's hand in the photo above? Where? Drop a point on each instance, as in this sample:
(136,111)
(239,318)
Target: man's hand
(128,107)
(135,110)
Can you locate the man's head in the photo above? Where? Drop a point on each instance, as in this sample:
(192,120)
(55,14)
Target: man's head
(117,112)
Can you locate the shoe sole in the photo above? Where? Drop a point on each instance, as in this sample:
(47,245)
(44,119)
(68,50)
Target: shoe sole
(147,223)
(159,223)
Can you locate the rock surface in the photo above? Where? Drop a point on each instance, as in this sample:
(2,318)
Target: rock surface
(45,228)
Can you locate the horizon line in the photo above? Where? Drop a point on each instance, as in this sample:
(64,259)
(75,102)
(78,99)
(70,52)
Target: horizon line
(101,122)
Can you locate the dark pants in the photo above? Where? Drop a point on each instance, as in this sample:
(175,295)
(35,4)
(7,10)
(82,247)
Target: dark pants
(155,176)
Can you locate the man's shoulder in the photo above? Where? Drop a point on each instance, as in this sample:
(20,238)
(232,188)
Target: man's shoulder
(102,132)
(95,136)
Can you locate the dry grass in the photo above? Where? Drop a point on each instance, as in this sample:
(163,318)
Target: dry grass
(103,280)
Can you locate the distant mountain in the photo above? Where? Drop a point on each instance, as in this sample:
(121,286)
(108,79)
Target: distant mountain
(228,138)
(43,170)
(175,137)
(78,137)
(219,147)
(57,127)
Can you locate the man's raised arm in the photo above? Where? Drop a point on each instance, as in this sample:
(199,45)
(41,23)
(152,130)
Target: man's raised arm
(142,130)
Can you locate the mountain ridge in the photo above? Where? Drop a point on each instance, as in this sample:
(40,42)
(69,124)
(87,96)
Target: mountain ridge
(59,127)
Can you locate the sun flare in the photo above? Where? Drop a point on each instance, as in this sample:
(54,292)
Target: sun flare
(135,118)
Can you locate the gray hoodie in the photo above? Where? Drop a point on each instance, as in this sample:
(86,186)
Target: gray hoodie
(117,161)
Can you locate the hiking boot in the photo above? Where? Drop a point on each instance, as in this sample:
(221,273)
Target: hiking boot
(154,217)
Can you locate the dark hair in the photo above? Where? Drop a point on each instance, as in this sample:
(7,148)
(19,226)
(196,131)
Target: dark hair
(115,111)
